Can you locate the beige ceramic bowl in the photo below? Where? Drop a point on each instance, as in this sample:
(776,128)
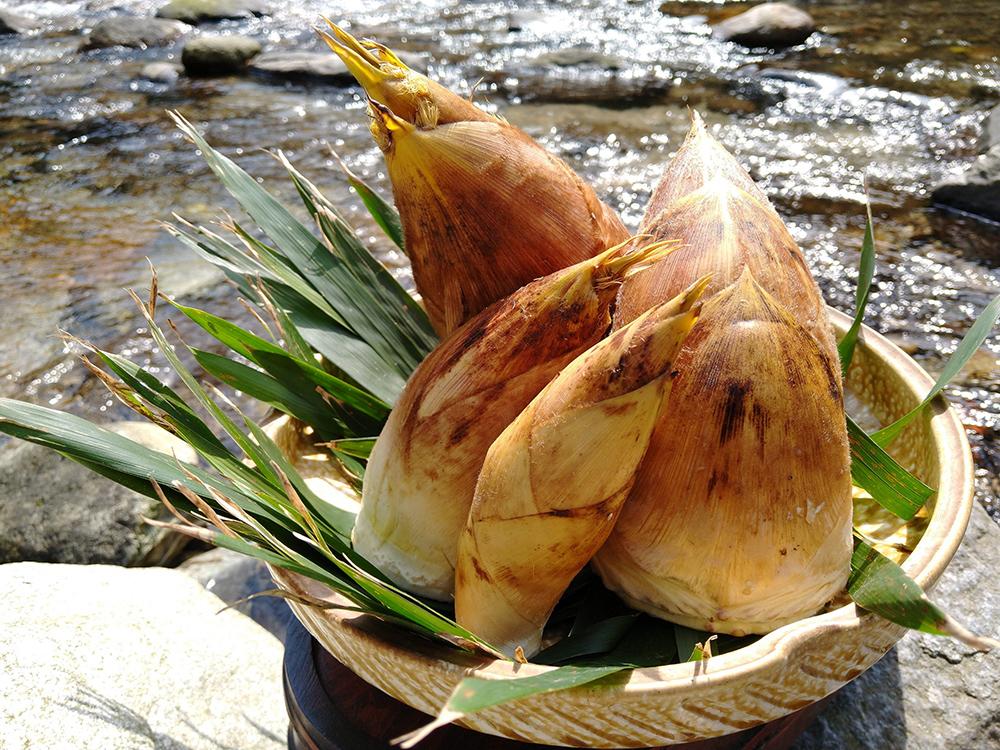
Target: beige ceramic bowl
(785,670)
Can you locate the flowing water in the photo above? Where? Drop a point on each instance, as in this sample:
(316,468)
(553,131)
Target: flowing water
(90,162)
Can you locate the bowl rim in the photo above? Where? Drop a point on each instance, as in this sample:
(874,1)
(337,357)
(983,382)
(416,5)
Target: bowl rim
(925,565)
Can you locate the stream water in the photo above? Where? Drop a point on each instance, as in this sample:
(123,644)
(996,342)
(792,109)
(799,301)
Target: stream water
(90,162)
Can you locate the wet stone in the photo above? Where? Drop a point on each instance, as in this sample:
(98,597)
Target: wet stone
(773,25)
(580,75)
(161,72)
(200,11)
(316,67)
(976,190)
(12,22)
(133,31)
(990,135)
(218,55)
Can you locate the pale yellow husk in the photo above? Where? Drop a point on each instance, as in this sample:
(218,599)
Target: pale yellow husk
(554,481)
(740,517)
(421,476)
(708,202)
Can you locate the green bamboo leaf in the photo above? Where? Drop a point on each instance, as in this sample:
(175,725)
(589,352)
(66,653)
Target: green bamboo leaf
(599,638)
(262,387)
(328,274)
(384,214)
(968,346)
(341,349)
(889,484)
(475,693)
(879,585)
(354,447)
(866,271)
(293,372)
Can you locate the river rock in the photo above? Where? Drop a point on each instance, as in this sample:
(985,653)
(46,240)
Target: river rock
(930,693)
(117,659)
(52,509)
(774,25)
(161,72)
(318,67)
(15,23)
(990,135)
(133,31)
(214,55)
(580,75)
(976,190)
(233,577)
(200,11)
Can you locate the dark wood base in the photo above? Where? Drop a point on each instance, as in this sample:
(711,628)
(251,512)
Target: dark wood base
(331,708)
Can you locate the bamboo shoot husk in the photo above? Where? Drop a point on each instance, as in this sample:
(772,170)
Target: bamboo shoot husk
(422,472)
(554,481)
(740,517)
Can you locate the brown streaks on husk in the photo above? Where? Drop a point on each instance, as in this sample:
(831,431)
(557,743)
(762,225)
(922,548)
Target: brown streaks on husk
(553,482)
(740,517)
(421,476)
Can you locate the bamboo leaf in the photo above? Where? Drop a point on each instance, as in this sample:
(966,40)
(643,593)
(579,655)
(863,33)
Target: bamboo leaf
(599,638)
(866,271)
(384,214)
(879,585)
(331,277)
(889,484)
(295,373)
(355,447)
(971,342)
(475,693)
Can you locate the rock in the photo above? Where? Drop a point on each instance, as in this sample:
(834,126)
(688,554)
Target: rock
(774,25)
(522,20)
(320,67)
(580,75)
(212,55)
(977,190)
(930,693)
(161,72)
(990,135)
(15,23)
(199,11)
(577,56)
(118,659)
(54,510)
(233,577)
(133,31)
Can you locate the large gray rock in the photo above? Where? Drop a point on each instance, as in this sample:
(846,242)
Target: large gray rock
(133,31)
(118,659)
(12,22)
(318,67)
(54,510)
(233,577)
(774,25)
(930,693)
(199,11)
(218,55)
(976,190)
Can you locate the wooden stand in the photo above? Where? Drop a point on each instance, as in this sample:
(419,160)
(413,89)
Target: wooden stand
(331,708)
